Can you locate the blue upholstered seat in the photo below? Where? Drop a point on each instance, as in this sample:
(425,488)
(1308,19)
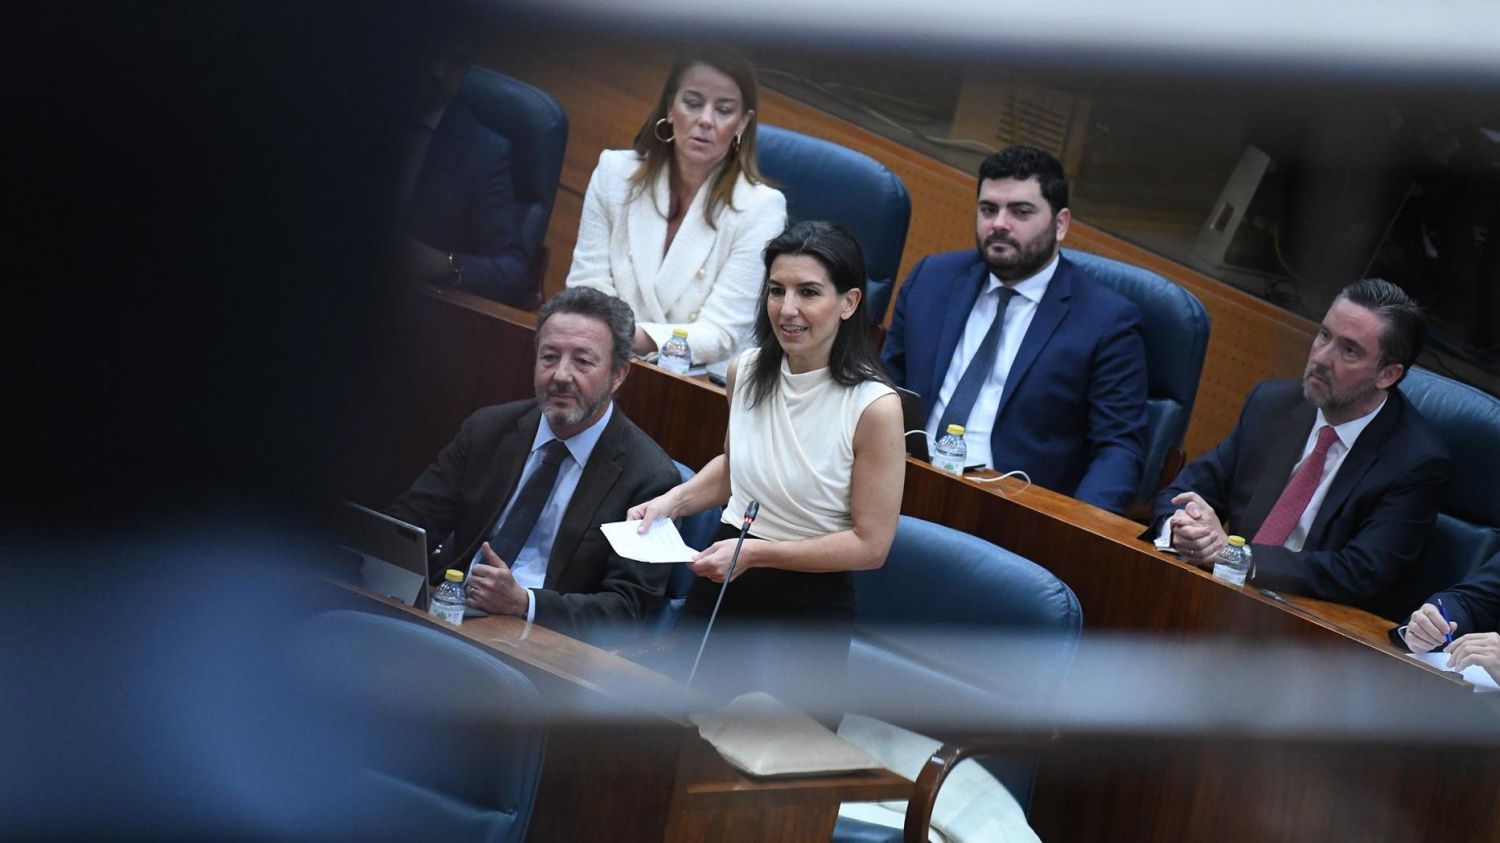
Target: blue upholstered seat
(537,129)
(825,181)
(938,582)
(1176,335)
(1468,527)
(445,740)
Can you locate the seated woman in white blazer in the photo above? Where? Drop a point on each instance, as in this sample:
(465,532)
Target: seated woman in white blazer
(676,226)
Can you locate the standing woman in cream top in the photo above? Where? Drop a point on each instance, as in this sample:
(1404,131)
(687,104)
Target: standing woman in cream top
(814,436)
(675,226)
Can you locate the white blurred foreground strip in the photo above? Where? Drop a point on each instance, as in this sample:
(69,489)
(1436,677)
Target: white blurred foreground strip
(763,736)
(1382,36)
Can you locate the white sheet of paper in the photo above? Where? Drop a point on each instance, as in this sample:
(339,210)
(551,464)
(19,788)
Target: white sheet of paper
(662,543)
(1473,674)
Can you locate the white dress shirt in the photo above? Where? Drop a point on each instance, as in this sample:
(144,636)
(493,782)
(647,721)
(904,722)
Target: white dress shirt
(1347,433)
(1018,318)
(530,565)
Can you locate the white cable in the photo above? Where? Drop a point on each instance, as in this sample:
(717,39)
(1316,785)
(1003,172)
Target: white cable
(932,446)
(1016,473)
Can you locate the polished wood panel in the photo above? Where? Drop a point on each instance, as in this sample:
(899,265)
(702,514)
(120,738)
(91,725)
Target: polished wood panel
(608,88)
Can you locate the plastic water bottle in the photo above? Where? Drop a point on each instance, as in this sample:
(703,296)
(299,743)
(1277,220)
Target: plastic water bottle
(447,603)
(951,451)
(675,355)
(1233,562)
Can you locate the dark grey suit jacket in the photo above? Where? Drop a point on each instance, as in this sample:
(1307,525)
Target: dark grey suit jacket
(587,584)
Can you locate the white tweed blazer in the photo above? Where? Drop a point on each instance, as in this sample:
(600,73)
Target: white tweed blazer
(709,280)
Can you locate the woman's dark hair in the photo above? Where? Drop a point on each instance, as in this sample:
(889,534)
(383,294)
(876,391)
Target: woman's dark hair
(656,153)
(853,358)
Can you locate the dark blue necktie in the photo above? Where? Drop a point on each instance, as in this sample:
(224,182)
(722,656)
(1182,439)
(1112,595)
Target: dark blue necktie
(507,539)
(962,403)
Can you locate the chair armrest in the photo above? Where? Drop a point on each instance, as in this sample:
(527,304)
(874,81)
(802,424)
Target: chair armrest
(925,791)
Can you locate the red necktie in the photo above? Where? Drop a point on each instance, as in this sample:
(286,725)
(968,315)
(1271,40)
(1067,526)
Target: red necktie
(1299,490)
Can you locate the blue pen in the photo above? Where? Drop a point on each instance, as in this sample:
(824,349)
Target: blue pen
(1447,625)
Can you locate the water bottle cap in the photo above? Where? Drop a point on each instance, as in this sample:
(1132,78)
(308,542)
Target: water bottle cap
(680,332)
(1237,541)
(454,575)
(956,429)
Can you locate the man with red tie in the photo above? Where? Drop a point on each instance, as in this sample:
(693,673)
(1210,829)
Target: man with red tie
(1336,481)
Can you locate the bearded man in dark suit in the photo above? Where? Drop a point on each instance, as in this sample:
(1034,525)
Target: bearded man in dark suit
(1335,481)
(524,486)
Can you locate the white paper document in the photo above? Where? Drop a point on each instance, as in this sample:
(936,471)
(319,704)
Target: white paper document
(1473,674)
(662,543)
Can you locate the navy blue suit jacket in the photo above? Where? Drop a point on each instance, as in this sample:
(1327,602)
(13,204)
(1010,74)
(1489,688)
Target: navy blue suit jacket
(1474,604)
(1073,411)
(463,202)
(1365,544)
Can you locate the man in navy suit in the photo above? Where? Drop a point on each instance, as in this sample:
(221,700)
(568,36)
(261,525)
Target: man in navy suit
(458,203)
(1335,481)
(1055,385)
(1472,610)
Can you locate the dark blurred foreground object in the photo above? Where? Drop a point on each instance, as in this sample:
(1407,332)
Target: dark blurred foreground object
(212,696)
(206,211)
(203,233)
(450,735)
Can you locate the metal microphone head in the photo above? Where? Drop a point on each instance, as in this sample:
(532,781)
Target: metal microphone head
(751,511)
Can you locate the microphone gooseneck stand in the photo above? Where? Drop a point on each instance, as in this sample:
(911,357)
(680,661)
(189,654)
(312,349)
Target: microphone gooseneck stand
(750,513)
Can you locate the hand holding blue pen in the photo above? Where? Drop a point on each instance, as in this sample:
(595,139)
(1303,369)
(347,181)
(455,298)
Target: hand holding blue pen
(1447,624)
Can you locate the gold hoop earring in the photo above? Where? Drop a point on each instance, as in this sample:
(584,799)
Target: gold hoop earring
(656,130)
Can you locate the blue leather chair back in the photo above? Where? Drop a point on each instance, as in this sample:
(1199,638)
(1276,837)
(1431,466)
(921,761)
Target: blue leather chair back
(825,181)
(453,736)
(1176,335)
(537,129)
(937,578)
(1468,527)
(697,531)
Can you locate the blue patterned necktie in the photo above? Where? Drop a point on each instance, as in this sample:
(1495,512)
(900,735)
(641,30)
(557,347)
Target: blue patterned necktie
(962,403)
(507,539)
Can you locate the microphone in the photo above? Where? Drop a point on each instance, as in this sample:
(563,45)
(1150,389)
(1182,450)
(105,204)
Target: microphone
(750,512)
